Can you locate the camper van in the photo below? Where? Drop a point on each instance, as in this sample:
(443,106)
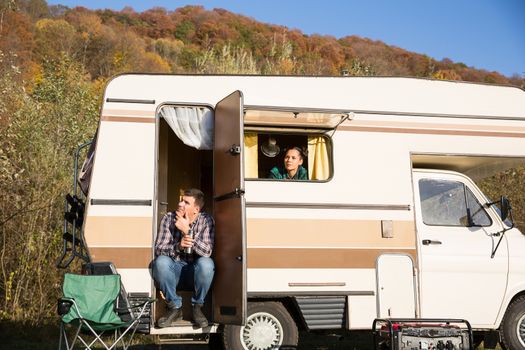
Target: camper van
(388,223)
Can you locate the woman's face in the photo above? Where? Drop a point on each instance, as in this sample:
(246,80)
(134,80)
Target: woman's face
(292,160)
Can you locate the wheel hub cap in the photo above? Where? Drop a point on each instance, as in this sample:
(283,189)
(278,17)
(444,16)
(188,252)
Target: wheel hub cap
(520,329)
(262,332)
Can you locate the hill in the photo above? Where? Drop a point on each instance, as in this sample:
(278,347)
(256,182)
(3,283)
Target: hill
(192,39)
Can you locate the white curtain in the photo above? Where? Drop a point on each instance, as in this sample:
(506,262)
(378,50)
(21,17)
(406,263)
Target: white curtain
(193,125)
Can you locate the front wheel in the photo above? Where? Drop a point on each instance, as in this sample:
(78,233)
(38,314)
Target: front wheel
(512,330)
(268,326)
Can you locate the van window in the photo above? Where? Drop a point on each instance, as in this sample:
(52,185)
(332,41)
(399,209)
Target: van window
(265,153)
(450,203)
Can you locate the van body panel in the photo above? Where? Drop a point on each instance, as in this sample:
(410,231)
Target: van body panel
(317,238)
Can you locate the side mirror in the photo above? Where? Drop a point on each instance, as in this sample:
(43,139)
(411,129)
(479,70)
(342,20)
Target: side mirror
(505,208)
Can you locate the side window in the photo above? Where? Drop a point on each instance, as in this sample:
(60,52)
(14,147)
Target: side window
(477,213)
(450,203)
(278,156)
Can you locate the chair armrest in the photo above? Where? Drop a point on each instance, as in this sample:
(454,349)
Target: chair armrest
(64,305)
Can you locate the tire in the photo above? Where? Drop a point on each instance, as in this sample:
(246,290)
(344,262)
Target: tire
(268,326)
(512,330)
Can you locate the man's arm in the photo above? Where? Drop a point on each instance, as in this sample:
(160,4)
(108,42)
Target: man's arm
(204,237)
(164,244)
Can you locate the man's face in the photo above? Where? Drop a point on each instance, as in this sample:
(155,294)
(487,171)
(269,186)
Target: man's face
(187,206)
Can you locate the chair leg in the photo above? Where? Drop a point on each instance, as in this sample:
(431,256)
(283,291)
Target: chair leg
(122,334)
(96,335)
(74,340)
(63,335)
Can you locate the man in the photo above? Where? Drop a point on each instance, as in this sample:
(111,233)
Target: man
(187,229)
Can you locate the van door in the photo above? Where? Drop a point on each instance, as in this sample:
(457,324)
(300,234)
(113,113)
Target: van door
(458,277)
(229,286)
(395,286)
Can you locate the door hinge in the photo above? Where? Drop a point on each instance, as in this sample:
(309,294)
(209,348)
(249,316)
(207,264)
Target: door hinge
(235,149)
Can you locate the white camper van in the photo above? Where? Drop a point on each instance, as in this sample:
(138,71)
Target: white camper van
(389,222)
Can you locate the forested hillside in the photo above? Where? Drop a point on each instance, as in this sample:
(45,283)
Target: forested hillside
(54,62)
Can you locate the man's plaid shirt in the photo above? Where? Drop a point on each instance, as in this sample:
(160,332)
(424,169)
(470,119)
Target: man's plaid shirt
(169,236)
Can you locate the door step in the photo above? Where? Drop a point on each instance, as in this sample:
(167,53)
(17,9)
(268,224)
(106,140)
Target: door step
(179,340)
(184,328)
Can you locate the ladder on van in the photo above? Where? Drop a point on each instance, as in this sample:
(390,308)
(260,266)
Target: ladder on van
(74,207)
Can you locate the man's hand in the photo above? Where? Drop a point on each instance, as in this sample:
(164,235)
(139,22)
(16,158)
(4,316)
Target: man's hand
(182,223)
(186,241)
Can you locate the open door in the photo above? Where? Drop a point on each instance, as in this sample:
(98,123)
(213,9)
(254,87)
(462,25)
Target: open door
(229,286)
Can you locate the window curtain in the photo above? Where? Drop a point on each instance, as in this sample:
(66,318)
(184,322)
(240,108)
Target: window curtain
(193,125)
(318,165)
(251,168)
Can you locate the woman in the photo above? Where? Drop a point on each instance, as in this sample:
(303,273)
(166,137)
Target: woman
(293,166)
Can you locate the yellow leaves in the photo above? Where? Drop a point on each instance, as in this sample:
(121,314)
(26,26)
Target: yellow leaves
(54,36)
(118,58)
(446,74)
(155,64)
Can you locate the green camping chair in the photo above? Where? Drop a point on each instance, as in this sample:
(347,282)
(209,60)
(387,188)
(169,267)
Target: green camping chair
(89,308)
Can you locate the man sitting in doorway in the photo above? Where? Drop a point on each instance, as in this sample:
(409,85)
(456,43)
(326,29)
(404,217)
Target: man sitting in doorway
(183,249)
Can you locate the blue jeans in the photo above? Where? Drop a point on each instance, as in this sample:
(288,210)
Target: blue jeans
(197,276)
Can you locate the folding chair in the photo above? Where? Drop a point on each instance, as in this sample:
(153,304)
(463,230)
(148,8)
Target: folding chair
(89,308)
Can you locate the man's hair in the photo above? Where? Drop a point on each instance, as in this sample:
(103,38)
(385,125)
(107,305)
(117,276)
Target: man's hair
(197,195)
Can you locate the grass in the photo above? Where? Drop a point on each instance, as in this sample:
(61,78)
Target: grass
(21,336)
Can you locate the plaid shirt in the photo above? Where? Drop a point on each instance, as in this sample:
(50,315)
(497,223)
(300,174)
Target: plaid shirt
(169,237)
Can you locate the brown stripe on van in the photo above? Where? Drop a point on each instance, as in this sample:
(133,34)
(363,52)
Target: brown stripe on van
(123,258)
(117,231)
(440,126)
(126,119)
(442,131)
(289,233)
(322,258)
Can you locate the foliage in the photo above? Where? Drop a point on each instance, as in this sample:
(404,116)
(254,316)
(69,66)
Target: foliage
(509,183)
(42,128)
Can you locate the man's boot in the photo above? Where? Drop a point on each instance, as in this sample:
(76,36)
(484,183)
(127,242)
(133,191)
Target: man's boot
(198,317)
(174,315)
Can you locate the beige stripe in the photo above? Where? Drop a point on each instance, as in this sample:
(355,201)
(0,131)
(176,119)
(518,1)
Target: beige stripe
(458,130)
(112,231)
(327,233)
(127,119)
(128,112)
(259,258)
(123,258)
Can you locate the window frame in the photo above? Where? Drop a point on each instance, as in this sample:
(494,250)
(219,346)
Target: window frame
(301,132)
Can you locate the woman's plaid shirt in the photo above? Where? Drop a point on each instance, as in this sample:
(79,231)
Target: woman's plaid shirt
(169,236)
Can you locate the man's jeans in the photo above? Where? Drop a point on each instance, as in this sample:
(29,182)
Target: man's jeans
(197,276)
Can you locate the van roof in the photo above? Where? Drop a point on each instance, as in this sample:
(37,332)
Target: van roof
(380,95)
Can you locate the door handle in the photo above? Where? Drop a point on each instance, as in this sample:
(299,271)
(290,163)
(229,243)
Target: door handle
(429,242)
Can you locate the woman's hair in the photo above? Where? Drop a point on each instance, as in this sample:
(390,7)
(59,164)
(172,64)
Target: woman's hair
(298,149)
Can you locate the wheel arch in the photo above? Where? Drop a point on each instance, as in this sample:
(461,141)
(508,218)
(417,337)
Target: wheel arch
(289,304)
(505,308)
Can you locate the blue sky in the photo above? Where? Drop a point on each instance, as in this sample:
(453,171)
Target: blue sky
(485,34)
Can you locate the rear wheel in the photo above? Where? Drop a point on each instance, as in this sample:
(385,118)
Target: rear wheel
(268,326)
(512,330)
